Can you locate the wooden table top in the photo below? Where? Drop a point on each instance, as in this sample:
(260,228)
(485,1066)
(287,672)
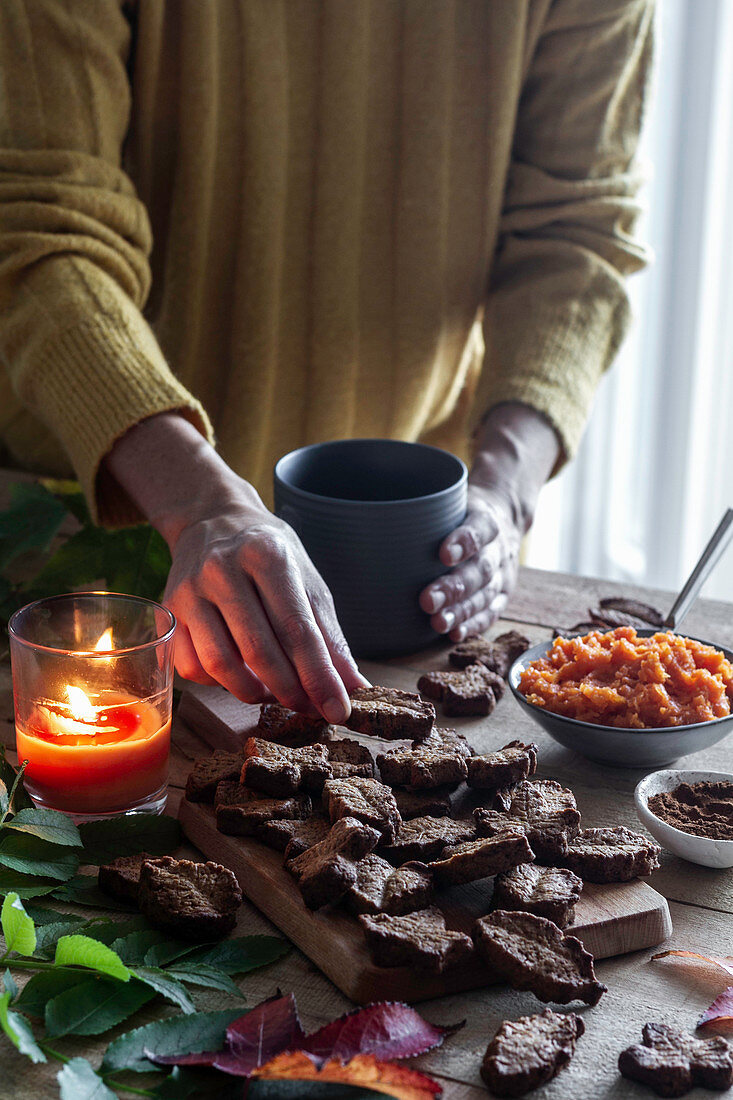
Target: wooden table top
(701,900)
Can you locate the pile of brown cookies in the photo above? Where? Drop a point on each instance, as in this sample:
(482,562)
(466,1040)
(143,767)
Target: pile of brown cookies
(377,835)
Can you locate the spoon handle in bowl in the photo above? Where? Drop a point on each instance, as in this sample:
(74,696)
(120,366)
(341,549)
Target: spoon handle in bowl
(707,561)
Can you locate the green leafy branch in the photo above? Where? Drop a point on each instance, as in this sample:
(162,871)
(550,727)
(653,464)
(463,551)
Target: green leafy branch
(134,560)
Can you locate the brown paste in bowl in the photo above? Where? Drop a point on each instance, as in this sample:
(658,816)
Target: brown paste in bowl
(704,809)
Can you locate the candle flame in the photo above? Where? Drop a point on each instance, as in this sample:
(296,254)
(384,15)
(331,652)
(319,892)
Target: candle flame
(80,707)
(104,642)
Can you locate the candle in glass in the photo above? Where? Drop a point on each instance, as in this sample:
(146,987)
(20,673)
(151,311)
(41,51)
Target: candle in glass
(92,681)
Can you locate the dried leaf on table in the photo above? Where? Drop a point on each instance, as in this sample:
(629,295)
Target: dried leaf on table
(386,1030)
(364,1070)
(720,1011)
(725,963)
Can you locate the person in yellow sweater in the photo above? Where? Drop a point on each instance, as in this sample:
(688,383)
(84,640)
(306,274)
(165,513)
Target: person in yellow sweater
(313,219)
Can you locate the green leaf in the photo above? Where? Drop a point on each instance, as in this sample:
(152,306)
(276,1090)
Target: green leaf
(84,890)
(78,1081)
(79,950)
(25,886)
(48,935)
(33,856)
(4,798)
(47,825)
(132,948)
(30,522)
(44,986)
(107,930)
(18,928)
(162,982)
(78,561)
(136,560)
(9,985)
(129,835)
(161,953)
(68,492)
(176,1035)
(208,976)
(238,956)
(94,1006)
(18,1030)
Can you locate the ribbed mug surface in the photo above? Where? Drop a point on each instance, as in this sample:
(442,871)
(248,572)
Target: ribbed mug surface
(372,514)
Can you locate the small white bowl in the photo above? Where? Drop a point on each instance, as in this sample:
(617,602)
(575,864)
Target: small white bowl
(696,849)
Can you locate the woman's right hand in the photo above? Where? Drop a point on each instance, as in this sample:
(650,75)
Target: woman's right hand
(254,614)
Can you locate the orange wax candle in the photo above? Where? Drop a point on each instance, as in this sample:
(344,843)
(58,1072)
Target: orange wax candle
(90,758)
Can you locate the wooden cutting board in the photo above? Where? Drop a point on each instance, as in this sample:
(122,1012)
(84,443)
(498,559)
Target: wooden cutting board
(610,920)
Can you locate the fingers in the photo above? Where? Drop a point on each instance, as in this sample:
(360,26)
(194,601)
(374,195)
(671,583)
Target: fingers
(481,622)
(338,647)
(289,610)
(186,661)
(478,529)
(443,597)
(219,657)
(258,644)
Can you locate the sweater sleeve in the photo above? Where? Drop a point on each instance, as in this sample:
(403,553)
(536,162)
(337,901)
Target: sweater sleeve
(556,309)
(75,239)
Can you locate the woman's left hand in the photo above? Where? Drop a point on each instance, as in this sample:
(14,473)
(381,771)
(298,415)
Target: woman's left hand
(484,552)
(516,451)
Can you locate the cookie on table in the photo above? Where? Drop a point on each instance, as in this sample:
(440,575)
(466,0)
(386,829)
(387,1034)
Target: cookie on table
(424,838)
(498,655)
(416,939)
(504,768)
(615,854)
(475,859)
(327,869)
(423,803)
(196,901)
(544,810)
(390,713)
(240,811)
(280,771)
(349,759)
(473,691)
(289,727)
(443,739)
(532,953)
(530,1051)
(550,892)
(293,836)
(382,888)
(121,877)
(209,771)
(368,800)
(424,767)
(673,1062)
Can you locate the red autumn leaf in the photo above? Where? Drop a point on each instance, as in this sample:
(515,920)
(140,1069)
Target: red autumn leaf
(389,1029)
(725,963)
(363,1070)
(720,1011)
(251,1040)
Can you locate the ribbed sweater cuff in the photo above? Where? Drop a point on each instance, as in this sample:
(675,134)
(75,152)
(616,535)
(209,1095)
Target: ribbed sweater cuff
(556,374)
(93,382)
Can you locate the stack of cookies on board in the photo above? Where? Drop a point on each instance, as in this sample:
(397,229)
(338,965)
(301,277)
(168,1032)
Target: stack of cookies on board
(378,835)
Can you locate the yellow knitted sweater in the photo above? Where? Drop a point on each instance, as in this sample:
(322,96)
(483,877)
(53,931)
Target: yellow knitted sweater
(294,214)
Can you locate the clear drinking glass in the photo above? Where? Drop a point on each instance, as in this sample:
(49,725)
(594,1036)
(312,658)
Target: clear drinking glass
(93,687)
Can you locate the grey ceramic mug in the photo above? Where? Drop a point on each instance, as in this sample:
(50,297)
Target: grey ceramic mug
(372,514)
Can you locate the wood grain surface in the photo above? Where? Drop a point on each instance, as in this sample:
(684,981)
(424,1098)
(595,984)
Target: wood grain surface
(671,991)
